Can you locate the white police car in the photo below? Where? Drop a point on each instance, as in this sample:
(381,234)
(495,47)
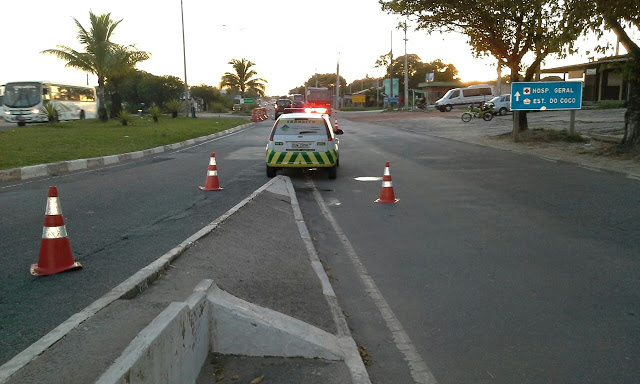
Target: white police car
(303,140)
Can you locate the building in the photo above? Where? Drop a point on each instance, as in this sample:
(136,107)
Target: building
(604,78)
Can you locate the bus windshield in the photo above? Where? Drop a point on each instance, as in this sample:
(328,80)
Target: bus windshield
(22,95)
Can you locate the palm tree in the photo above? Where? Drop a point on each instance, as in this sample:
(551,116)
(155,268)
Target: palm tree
(243,79)
(120,63)
(98,49)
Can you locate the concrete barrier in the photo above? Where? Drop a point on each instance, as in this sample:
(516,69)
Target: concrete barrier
(175,345)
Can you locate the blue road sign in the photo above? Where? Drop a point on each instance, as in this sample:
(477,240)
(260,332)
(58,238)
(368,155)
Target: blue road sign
(393,100)
(540,96)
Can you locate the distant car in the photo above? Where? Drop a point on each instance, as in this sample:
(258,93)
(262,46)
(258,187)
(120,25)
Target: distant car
(281,104)
(237,107)
(303,140)
(501,104)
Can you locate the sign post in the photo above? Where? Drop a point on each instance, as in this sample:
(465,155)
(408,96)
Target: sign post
(545,96)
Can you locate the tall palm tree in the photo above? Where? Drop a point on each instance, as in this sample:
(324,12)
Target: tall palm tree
(98,48)
(120,63)
(243,78)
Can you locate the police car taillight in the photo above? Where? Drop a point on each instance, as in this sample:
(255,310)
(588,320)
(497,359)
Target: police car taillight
(315,110)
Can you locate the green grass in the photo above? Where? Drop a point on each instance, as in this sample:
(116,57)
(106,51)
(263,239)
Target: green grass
(48,143)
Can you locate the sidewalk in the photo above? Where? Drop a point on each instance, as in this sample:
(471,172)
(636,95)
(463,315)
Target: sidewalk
(256,254)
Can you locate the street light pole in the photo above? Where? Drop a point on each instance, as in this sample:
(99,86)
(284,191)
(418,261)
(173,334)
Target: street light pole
(184,55)
(406,72)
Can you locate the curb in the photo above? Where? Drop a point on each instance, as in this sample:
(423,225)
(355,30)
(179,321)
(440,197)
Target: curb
(125,290)
(175,345)
(62,167)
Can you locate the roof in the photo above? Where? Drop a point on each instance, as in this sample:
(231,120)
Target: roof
(299,115)
(591,64)
(440,84)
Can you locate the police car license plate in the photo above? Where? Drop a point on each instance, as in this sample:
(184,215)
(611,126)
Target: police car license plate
(300,144)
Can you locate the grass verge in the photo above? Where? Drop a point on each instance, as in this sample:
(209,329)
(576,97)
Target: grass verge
(48,143)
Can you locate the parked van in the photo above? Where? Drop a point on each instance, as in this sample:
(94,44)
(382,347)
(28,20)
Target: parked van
(474,94)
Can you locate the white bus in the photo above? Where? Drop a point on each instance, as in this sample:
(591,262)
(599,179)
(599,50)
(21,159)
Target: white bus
(24,101)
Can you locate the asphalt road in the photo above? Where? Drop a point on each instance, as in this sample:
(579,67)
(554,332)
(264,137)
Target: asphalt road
(501,268)
(119,219)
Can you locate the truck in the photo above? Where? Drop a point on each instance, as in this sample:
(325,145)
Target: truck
(316,97)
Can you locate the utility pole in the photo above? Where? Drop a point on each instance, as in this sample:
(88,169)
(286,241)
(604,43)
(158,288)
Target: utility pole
(337,103)
(406,72)
(184,55)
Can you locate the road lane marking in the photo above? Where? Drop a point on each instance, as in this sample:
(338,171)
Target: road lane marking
(548,159)
(591,168)
(418,368)
(125,163)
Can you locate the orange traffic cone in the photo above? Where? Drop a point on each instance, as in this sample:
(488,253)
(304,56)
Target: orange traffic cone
(55,251)
(211,183)
(386,193)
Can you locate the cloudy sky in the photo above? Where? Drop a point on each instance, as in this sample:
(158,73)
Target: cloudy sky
(288,40)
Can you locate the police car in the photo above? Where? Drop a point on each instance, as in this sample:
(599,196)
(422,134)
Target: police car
(303,140)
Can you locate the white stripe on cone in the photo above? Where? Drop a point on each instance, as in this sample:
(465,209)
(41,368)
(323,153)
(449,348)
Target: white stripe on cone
(54,232)
(53,207)
(212,173)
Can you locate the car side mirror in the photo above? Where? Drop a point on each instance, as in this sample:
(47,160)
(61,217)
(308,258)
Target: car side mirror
(339,131)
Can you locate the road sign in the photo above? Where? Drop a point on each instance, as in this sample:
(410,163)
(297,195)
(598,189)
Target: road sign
(540,96)
(393,99)
(247,100)
(429,77)
(359,98)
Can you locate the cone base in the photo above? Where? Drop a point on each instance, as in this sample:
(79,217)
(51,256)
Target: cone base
(211,189)
(386,201)
(37,271)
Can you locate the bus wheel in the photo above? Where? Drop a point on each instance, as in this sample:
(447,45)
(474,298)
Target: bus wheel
(82,115)
(22,124)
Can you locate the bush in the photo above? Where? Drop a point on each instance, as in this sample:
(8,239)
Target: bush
(52,112)
(155,112)
(218,108)
(174,106)
(124,116)
(612,104)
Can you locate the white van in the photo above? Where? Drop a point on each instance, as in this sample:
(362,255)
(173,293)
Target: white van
(474,94)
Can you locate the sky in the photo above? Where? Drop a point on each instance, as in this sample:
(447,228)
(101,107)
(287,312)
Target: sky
(288,41)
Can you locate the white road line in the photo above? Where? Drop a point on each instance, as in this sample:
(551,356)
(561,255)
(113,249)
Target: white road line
(418,368)
(548,159)
(121,164)
(632,176)
(595,169)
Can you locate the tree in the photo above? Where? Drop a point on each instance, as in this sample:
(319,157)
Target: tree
(244,77)
(207,93)
(120,63)
(617,16)
(322,80)
(505,29)
(140,89)
(98,46)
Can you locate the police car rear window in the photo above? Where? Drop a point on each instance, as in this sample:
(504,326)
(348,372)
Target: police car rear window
(300,126)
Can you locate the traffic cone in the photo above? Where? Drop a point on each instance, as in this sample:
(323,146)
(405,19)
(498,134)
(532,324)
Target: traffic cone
(386,193)
(211,183)
(55,251)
